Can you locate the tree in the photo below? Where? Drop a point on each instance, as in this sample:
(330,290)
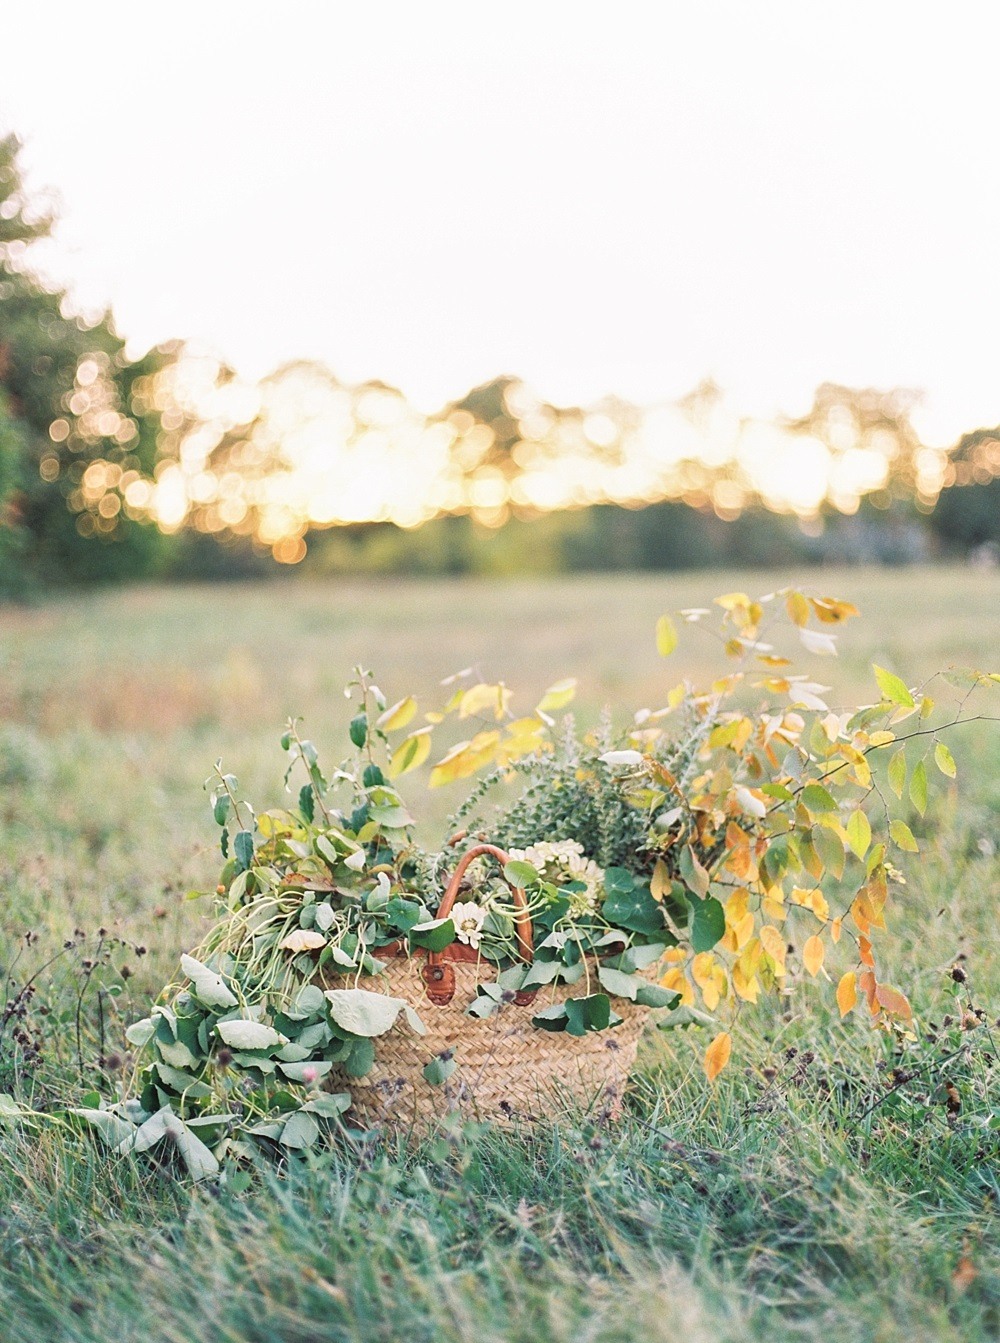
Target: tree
(75,431)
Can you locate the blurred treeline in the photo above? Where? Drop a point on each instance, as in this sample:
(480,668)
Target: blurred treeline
(71,398)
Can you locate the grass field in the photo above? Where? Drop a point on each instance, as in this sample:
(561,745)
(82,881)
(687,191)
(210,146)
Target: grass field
(809,1194)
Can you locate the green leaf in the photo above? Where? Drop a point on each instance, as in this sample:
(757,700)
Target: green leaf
(404,914)
(111,1128)
(360,1060)
(902,837)
(199,1159)
(243,849)
(359,729)
(294,1071)
(918,787)
(141,1032)
(629,903)
(618,983)
(708,925)
(897,772)
(209,987)
(830,848)
(592,1013)
(944,760)
(220,808)
(695,876)
(893,688)
(439,1070)
(818,799)
(551,1018)
(361,1012)
(243,1034)
(307,802)
(434,935)
(655,995)
(329,1105)
(520,873)
(300,1131)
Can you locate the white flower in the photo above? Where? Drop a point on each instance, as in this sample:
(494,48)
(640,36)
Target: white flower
(563,860)
(468,919)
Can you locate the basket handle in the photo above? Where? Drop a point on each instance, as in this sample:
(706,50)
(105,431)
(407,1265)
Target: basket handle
(438,975)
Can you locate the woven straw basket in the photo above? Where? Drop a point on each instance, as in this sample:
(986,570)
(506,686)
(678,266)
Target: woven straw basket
(507,1069)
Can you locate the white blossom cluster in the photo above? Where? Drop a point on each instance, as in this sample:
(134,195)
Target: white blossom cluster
(563,860)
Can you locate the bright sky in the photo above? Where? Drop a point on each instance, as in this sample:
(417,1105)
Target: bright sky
(598,197)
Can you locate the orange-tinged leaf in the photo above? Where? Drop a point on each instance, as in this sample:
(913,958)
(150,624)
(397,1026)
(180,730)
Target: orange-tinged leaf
(893,1001)
(666,636)
(865,951)
(832,611)
(678,981)
(812,954)
(660,882)
(398,715)
(717,1055)
(847,993)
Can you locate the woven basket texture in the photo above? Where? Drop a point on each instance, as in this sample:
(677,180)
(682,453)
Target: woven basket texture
(507,1070)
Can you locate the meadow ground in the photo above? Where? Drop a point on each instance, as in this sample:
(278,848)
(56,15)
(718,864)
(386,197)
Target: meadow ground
(812,1192)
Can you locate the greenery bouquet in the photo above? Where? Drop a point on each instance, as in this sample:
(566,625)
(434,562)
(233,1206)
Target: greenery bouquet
(682,863)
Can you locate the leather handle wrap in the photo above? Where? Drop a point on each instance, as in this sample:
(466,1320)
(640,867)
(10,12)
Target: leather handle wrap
(439,976)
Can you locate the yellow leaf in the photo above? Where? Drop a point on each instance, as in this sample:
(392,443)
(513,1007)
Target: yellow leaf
(859,832)
(944,760)
(902,836)
(557,696)
(812,954)
(465,758)
(882,738)
(411,752)
(847,992)
(398,716)
(666,636)
(797,608)
(717,1055)
(773,943)
(484,698)
(918,787)
(730,601)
